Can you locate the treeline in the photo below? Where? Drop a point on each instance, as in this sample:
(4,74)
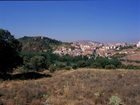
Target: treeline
(48,60)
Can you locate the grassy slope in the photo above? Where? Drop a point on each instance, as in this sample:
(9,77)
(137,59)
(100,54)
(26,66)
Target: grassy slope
(80,87)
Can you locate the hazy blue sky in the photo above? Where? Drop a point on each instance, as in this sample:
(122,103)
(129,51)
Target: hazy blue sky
(99,20)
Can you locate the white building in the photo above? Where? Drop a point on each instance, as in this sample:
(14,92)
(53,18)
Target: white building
(138,45)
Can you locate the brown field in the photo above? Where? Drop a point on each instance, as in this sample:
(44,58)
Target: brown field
(131,63)
(79,87)
(132,54)
(133,57)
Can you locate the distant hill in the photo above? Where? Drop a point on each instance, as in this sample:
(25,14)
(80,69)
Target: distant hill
(38,43)
(87,42)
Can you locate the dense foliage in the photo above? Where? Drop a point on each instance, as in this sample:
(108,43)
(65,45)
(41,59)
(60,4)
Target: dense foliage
(48,60)
(9,52)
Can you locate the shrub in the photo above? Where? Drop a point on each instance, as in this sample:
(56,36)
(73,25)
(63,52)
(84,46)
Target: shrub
(60,65)
(81,63)
(115,62)
(22,69)
(110,66)
(74,66)
(96,65)
(52,68)
(37,62)
(67,67)
(115,100)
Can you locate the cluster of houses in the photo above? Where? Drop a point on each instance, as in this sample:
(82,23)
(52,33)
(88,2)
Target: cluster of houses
(70,51)
(88,48)
(138,44)
(77,48)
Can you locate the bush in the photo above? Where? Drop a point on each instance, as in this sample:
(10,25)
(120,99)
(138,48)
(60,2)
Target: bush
(60,65)
(96,65)
(115,62)
(81,63)
(115,100)
(22,69)
(110,66)
(74,66)
(67,67)
(37,62)
(52,68)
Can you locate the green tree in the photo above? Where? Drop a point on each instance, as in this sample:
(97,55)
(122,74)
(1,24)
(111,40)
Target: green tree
(110,66)
(115,62)
(74,66)
(9,52)
(81,63)
(52,68)
(37,62)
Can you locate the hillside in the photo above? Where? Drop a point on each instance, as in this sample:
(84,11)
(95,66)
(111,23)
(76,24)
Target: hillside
(76,87)
(88,42)
(38,43)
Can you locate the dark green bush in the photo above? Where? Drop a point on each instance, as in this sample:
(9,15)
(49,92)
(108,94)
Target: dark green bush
(110,66)
(81,63)
(60,65)
(67,68)
(37,62)
(74,66)
(52,68)
(96,65)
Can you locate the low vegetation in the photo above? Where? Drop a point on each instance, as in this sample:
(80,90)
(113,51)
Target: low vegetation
(48,60)
(75,87)
(114,100)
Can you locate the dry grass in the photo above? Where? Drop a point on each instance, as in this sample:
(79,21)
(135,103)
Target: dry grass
(80,87)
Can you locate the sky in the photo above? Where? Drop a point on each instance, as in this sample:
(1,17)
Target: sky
(97,20)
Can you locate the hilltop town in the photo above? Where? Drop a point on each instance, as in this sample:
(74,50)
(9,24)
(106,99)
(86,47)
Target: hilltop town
(101,49)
